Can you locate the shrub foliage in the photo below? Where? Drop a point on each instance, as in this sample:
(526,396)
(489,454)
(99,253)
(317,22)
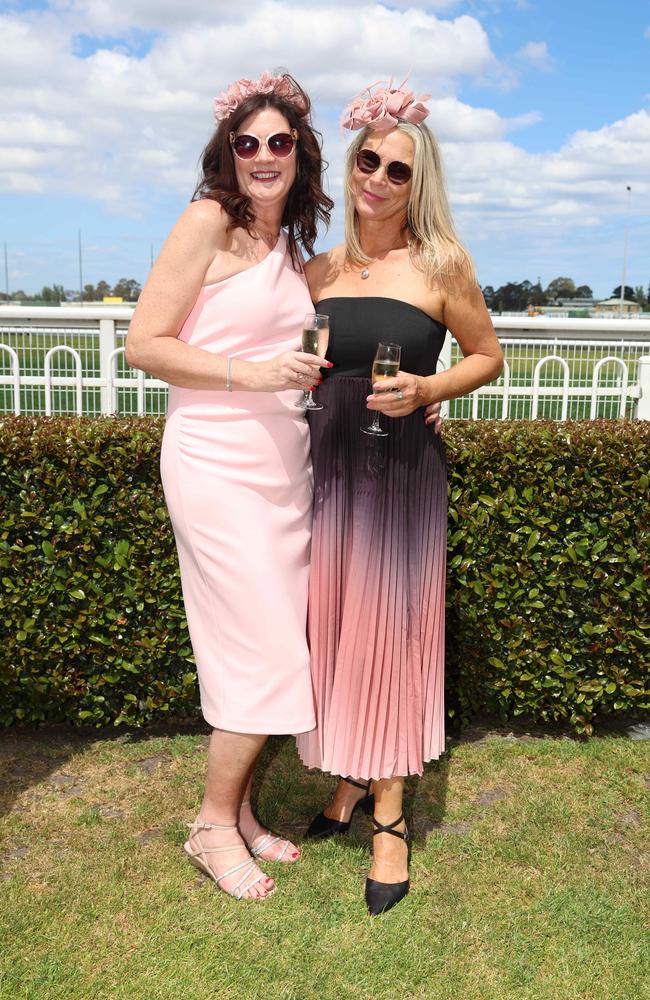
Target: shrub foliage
(547,589)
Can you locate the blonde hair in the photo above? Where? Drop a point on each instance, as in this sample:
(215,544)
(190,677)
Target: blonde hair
(434,247)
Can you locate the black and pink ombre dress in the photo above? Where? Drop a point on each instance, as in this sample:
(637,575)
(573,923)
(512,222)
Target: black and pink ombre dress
(377,584)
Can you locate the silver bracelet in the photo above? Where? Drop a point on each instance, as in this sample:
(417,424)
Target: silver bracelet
(228,375)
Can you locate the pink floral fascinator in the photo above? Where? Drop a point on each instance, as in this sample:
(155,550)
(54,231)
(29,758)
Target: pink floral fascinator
(283,86)
(381,109)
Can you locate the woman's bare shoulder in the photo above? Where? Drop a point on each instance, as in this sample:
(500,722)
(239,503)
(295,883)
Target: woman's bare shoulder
(322,270)
(204,219)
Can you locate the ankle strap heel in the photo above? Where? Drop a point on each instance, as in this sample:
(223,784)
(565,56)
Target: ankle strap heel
(382,896)
(389,828)
(322,826)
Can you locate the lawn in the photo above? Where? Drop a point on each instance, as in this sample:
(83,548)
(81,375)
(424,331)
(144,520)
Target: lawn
(529,876)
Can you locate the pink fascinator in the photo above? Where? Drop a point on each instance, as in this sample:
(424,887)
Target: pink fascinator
(381,109)
(229,100)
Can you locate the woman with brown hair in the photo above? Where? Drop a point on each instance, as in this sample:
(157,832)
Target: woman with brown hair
(219,319)
(377,586)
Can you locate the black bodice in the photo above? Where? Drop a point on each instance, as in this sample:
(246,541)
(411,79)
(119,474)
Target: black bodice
(357,324)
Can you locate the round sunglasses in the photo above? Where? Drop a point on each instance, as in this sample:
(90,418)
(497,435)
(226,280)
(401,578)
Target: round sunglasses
(280,144)
(397,172)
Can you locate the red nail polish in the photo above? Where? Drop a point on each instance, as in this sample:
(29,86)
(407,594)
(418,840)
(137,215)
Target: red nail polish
(329,364)
(295,854)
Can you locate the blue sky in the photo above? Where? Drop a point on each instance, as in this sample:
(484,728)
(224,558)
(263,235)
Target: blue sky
(542,111)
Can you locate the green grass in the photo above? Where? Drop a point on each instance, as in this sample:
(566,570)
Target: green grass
(528,875)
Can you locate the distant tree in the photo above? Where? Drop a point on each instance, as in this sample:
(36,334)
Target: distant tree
(20,296)
(88,294)
(561,288)
(48,294)
(103,288)
(583,292)
(488,295)
(59,292)
(128,289)
(639,295)
(537,296)
(514,296)
(628,294)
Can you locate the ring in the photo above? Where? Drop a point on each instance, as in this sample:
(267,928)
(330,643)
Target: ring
(399,394)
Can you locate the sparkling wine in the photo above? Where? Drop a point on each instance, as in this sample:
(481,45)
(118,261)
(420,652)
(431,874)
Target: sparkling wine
(310,341)
(384,369)
(314,340)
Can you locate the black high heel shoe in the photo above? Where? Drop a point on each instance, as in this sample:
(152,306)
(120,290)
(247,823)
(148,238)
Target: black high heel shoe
(382,896)
(322,826)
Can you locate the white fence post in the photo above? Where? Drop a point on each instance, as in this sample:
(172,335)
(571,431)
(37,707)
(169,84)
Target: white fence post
(550,390)
(107,347)
(444,364)
(77,381)
(643,405)
(15,371)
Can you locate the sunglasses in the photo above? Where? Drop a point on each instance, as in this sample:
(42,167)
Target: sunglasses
(280,144)
(397,172)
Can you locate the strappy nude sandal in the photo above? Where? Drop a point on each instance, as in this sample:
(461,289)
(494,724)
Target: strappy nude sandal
(268,840)
(246,867)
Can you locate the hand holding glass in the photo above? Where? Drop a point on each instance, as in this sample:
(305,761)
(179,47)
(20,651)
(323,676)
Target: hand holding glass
(385,365)
(315,338)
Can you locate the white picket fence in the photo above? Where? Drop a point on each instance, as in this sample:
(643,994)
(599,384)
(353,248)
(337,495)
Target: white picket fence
(71,360)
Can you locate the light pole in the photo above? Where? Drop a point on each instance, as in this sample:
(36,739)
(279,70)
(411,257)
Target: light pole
(81,273)
(627,219)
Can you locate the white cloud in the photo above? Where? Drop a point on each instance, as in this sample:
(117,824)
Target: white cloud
(451,120)
(115,107)
(108,17)
(580,185)
(121,128)
(537,54)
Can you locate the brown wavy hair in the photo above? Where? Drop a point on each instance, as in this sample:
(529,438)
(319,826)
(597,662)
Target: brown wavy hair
(307,204)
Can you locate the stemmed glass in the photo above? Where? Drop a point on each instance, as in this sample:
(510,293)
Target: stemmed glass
(315,337)
(385,365)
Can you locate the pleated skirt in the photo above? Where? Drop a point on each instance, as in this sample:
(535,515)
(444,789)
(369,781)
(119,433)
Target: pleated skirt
(377,590)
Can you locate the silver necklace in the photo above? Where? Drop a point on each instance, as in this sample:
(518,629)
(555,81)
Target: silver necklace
(365,272)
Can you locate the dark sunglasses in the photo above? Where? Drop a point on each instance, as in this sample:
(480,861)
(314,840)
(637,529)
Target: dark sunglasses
(280,144)
(397,172)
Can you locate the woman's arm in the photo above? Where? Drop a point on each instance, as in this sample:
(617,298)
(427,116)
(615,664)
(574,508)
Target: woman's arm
(466,316)
(167,299)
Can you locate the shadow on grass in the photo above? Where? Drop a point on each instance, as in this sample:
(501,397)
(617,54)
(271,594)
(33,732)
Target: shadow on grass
(285,794)
(30,756)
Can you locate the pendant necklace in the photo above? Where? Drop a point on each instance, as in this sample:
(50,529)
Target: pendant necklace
(365,272)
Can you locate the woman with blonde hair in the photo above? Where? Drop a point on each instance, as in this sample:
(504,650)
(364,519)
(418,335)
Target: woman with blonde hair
(377,582)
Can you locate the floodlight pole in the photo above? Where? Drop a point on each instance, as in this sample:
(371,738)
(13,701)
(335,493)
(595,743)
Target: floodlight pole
(627,219)
(81,277)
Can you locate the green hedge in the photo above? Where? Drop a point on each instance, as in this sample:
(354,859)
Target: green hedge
(548,589)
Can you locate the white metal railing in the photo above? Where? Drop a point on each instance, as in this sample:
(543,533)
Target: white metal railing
(71,360)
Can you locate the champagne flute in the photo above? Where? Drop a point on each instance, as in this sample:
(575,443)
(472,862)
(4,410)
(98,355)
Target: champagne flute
(315,337)
(385,365)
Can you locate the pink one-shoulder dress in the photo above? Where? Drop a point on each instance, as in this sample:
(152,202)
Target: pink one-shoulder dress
(238,485)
